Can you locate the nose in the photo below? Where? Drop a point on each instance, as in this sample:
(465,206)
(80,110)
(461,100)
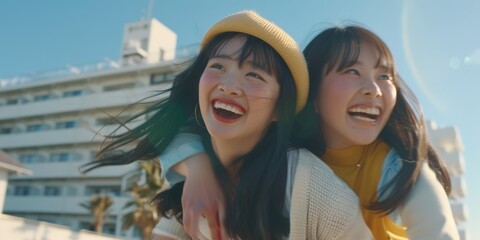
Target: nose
(230,85)
(371,89)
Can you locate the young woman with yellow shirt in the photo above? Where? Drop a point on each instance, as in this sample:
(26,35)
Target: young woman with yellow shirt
(364,122)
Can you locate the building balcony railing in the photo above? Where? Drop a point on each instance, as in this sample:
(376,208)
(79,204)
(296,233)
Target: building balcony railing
(101,66)
(57,204)
(48,138)
(56,137)
(70,170)
(96,100)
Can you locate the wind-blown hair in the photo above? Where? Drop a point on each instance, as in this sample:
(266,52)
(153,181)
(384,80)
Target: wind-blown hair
(405,129)
(254,203)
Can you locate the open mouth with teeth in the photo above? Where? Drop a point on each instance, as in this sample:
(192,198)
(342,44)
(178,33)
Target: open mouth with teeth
(365,114)
(227,112)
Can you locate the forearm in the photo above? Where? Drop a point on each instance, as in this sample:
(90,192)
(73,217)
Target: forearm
(185,160)
(426,212)
(188,166)
(185,146)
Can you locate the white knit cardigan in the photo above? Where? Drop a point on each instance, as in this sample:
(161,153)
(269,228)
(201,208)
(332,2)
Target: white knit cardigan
(322,206)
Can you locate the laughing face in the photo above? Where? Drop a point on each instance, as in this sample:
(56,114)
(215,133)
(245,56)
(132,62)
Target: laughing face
(356,102)
(237,101)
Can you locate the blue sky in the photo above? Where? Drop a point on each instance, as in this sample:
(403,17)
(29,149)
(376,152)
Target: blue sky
(437,48)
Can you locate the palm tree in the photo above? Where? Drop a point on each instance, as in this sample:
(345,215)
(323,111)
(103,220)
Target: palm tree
(98,206)
(143,213)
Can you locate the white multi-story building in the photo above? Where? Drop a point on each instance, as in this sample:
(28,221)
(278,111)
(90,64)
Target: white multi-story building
(448,144)
(54,122)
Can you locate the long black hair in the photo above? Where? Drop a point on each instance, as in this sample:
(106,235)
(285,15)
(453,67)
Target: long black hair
(254,203)
(405,129)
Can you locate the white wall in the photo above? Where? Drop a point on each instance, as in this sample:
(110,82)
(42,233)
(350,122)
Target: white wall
(3,187)
(20,228)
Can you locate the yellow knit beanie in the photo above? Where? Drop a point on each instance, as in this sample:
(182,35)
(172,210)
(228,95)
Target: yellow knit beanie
(249,22)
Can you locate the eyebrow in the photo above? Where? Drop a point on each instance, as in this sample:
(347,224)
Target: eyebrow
(248,62)
(223,56)
(379,65)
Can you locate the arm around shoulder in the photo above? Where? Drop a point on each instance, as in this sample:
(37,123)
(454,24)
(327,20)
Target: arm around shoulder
(323,206)
(426,212)
(182,147)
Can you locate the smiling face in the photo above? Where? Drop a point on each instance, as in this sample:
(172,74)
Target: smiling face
(355,103)
(237,98)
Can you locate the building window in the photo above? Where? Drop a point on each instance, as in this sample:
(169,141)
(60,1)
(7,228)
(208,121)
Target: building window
(43,97)
(22,191)
(66,124)
(157,78)
(61,157)
(11,101)
(86,226)
(109,228)
(30,158)
(9,130)
(6,130)
(73,93)
(103,190)
(161,78)
(118,87)
(137,232)
(36,127)
(93,154)
(52,191)
(112,120)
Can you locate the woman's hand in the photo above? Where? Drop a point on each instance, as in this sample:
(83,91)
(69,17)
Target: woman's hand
(202,197)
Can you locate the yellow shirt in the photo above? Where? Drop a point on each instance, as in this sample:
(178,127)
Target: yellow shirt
(361,168)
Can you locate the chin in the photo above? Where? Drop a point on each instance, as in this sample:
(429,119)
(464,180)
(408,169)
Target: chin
(364,139)
(368,140)
(219,134)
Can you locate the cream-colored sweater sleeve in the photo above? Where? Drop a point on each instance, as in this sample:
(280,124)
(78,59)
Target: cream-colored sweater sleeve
(426,212)
(323,206)
(170,228)
(173,229)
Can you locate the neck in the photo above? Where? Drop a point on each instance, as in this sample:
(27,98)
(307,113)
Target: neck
(228,151)
(354,155)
